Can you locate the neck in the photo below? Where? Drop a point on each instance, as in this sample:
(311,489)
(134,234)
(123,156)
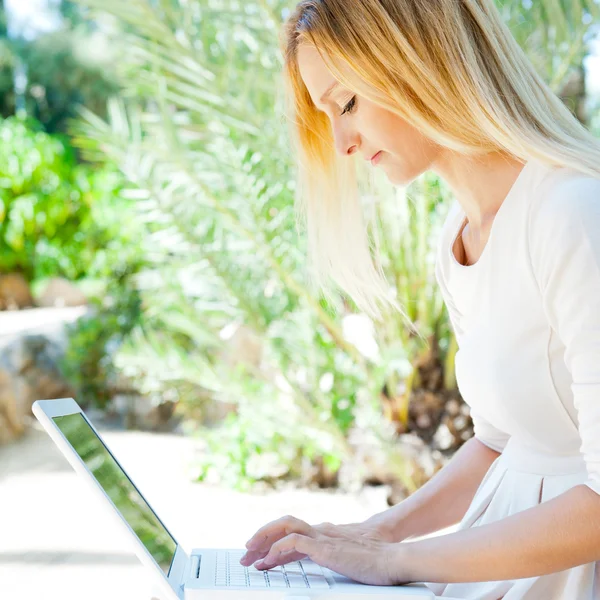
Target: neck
(480,183)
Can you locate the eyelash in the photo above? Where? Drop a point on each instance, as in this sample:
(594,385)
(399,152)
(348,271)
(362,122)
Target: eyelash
(350,106)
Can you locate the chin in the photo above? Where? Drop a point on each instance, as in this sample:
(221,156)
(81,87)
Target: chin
(398,178)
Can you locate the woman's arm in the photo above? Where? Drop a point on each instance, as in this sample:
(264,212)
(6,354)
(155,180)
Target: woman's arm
(445,498)
(557,534)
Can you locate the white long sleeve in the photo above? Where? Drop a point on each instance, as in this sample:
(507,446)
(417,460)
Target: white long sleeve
(564,242)
(527,319)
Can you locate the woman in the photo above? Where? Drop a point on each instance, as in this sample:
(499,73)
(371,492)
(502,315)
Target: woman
(442,85)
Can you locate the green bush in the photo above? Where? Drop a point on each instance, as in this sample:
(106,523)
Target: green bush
(44,204)
(93,340)
(113,256)
(59,217)
(62,218)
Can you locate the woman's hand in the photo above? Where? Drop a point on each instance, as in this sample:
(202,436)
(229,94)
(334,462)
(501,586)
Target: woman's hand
(260,543)
(361,551)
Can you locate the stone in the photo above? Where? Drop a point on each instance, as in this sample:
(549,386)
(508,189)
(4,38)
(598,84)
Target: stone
(11,421)
(14,292)
(29,371)
(59,293)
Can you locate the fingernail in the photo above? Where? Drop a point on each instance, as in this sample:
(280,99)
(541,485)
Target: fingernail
(249,544)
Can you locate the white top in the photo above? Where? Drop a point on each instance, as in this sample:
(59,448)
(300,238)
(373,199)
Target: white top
(527,316)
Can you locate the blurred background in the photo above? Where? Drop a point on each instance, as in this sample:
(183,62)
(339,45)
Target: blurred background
(151,269)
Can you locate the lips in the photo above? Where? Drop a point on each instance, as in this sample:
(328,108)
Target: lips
(375,158)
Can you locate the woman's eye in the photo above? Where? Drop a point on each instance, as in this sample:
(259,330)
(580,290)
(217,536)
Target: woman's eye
(350,106)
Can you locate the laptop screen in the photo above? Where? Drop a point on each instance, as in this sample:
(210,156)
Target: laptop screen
(119,488)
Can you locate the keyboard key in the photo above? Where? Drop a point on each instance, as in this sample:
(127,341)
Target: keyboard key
(293,568)
(253,569)
(257,580)
(278,568)
(312,568)
(277,580)
(296,580)
(317,583)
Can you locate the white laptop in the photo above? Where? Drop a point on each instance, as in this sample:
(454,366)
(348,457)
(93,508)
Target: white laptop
(203,573)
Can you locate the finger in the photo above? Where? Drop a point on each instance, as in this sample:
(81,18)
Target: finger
(264,538)
(295,542)
(252,556)
(260,543)
(284,559)
(325,528)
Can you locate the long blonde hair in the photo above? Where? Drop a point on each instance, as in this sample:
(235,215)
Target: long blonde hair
(453,70)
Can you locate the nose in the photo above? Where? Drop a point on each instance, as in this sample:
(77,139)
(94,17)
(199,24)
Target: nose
(346,141)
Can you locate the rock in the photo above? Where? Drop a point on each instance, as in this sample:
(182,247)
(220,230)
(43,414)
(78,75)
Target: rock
(60,292)
(11,420)
(444,438)
(453,407)
(28,372)
(136,411)
(425,411)
(14,292)
(424,421)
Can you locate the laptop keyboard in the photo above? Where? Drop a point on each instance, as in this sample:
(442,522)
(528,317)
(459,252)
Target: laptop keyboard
(297,574)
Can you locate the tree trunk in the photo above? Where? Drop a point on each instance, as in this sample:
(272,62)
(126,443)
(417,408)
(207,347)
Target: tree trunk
(573,94)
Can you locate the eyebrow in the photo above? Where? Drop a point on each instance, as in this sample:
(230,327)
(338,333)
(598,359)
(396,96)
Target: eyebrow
(328,91)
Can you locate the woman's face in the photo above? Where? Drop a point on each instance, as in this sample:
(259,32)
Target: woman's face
(361,126)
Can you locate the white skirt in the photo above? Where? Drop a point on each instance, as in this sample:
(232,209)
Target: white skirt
(520,478)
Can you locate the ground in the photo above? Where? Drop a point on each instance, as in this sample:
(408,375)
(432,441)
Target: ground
(56,543)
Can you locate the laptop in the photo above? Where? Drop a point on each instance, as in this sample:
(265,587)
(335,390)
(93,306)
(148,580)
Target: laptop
(202,572)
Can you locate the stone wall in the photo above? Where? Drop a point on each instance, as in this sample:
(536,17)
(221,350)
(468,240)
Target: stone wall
(30,349)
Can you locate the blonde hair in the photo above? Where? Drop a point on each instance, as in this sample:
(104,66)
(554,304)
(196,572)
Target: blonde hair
(450,68)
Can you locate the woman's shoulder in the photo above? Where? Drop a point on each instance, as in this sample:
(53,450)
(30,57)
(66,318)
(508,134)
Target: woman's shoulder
(564,218)
(562,194)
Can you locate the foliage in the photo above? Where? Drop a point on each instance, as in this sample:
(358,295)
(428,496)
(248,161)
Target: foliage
(88,364)
(58,217)
(199,135)
(64,68)
(114,253)
(553,33)
(44,203)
